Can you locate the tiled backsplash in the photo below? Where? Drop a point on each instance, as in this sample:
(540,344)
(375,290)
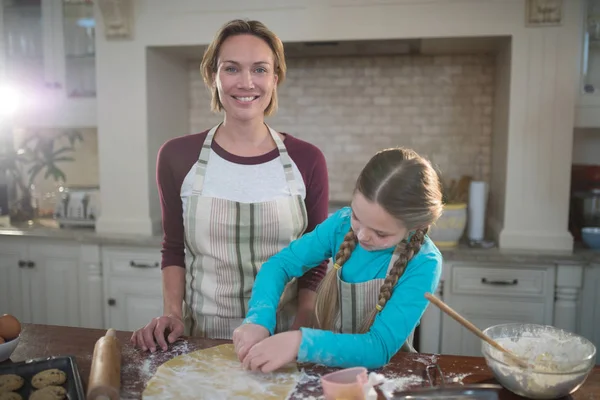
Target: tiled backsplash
(351,107)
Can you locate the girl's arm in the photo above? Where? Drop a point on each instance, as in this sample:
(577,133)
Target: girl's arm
(389,331)
(293,261)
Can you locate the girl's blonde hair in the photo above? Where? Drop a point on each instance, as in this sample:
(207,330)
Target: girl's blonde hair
(407,187)
(208,67)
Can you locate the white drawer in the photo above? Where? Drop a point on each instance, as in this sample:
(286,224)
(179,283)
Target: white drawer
(138,261)
(501,281)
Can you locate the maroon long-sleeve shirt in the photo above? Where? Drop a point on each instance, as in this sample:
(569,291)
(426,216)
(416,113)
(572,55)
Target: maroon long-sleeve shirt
(177,156)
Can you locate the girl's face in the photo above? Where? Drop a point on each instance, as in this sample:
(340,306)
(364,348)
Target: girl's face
(245,76)
(374,227)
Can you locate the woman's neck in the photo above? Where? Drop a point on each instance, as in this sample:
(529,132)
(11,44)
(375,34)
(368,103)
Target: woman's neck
(245,138)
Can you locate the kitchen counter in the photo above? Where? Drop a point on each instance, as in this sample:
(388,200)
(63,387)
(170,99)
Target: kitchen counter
(48,229)
(408,370)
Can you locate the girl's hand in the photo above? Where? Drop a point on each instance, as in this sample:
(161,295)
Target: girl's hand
(273,352)
(247,335)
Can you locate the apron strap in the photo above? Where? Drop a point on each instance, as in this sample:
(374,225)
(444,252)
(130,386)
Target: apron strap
(287,163)
(204,156)
(203,162)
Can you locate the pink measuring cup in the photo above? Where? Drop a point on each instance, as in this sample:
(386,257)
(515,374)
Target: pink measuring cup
(346,384)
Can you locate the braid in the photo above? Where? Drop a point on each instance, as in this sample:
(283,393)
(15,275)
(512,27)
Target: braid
(346,248)
(411,248)
(407,252)
(327,304)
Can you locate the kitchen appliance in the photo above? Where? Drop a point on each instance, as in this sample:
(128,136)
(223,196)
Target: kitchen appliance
(77,206)
(584,210)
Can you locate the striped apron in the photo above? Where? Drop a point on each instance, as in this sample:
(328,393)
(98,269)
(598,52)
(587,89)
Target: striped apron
(358,300)
(226,244)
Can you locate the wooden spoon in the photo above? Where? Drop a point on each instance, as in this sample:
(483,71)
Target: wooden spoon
(464,322)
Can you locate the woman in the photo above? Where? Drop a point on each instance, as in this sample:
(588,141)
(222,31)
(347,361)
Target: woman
(235,195)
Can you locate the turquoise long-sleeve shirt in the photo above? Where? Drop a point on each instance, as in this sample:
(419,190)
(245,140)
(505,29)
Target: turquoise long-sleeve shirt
(392,325)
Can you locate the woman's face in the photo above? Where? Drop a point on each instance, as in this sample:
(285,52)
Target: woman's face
(374,227)
(245,76)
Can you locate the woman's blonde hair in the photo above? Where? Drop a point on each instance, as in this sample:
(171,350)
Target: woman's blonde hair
(407,187)
(208,67)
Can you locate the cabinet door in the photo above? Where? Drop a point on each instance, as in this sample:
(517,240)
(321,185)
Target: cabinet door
(132,302)
(484,313)
(54,278)
(590,305)
(12,256)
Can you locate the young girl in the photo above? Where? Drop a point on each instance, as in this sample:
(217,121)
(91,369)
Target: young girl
(372,299)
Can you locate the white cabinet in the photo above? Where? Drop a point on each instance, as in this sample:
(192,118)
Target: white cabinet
(489,294)
(50,61)
(590,304)
(11,257)
(588,107)
(132,286)
(48,282)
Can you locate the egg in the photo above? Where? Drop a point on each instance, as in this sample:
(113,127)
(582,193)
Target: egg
(10,327)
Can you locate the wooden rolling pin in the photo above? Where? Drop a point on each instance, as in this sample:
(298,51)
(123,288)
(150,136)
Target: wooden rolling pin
(105,376)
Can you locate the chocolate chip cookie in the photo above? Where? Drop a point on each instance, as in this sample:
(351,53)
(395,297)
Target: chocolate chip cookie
(10,383)
(49,377)
(10,396)
(49,393)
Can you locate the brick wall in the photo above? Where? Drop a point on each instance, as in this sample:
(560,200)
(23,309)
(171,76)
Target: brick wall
(351,107)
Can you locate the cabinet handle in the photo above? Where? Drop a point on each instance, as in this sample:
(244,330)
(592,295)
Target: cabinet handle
(137,265)
(112,302)
(22,264)
(30,264)
(500,283)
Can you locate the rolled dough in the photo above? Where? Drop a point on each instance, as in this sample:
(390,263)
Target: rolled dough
(216,373)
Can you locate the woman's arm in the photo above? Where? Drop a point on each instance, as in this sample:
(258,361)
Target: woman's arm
(169,183)
(317,210)
(173,278)
(387,334)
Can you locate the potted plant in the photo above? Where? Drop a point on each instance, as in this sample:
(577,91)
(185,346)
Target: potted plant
(450,227)
(40,152)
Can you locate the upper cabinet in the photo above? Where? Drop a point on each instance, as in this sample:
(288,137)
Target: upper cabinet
(588,110)
(49,58)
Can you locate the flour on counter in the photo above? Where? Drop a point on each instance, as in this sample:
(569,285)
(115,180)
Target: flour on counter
(142,365)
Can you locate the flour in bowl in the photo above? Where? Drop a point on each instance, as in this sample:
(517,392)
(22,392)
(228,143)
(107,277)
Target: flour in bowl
(556,360)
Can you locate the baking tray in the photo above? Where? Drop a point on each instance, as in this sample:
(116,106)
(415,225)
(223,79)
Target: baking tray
(466,392)
(451,392)
(27,369)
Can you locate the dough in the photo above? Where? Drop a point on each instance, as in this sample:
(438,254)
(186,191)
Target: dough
(215,374)
(10,382)
(10,396)
(49,377)
(49,393)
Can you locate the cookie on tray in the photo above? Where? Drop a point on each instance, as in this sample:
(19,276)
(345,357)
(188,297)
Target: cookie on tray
(49,377)
(10,383)
(10,396)
(49,393)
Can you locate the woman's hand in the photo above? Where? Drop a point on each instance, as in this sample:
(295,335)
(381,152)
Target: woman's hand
(246,336)
(273,352)
(152,334)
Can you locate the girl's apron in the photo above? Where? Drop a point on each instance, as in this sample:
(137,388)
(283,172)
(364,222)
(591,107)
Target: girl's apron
(226,244)
(358,300)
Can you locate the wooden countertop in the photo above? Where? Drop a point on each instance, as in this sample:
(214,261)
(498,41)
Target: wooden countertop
(137,367)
